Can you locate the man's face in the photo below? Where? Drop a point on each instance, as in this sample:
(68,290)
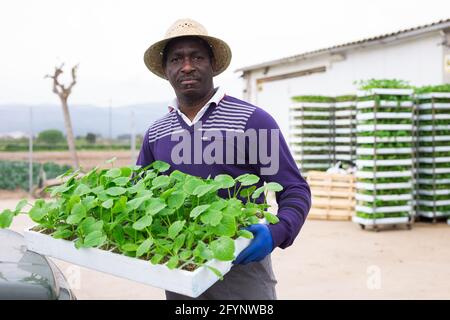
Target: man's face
(189,68)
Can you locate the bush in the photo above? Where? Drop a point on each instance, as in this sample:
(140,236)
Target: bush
(51,136)
(14,174)
(91,138)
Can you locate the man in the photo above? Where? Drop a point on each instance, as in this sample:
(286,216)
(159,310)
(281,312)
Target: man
(220,134)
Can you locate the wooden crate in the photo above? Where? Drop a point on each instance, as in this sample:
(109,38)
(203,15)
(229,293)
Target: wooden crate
(333,195)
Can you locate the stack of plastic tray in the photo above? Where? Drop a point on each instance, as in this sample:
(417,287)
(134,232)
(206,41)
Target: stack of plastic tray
(311,134)
(384,188)
(433,183)
(345,129)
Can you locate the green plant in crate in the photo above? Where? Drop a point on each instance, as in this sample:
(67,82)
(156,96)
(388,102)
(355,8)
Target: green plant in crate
(431,89)
(177,219)
(312,98)
(383,84)
(392,194)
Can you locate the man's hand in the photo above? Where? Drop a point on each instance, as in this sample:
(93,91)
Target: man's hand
(261,245)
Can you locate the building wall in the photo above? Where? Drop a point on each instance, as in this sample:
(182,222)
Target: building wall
(419,61)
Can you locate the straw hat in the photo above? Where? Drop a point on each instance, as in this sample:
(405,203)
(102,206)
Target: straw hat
(182,28)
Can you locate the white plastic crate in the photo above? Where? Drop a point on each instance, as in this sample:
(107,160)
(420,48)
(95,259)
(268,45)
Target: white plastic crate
(425,106)
(385,127)
(299,105)
(391,209)
(383,186)
(431,128)
(371,151)
(383,174)
(435,160)
(385,197)
(383,91)
(371,222)
(388,162)
(434,95)
(383,104)
(435,138)
(438,116)
(393,139)
(432,214)
(383,115)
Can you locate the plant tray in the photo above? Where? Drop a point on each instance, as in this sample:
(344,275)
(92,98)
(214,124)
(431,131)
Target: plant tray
(343,122)
(344,104)
(436,181)
(431,128)
(439,116)
(433,171)
(435,160)
(312,148)
(384,115)
(345,157)
(383,139)
(345,113)
(435,149)
(297,113)
(315,165)
(433,214)
(301,122)
(313,104)
(387,104)
(345,148)
(434,95)
(343,139)
(305,130)
(184,282)
(383,186)
(344,130)
(389,197)
(387,127)
(371,151)
(383,174)
(385,91)
(434,192)
(434,106)
(434,138)
(437,203)
(295,139)
(387,162)
(313,157)
(371,222)
(383,209)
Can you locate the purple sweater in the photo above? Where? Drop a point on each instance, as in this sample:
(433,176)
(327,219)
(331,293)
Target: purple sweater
(212,147)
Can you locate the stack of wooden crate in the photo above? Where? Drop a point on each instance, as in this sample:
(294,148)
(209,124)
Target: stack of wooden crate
(333,195)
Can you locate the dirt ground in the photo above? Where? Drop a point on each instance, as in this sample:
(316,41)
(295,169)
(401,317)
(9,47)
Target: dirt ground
(329,260)
(88,159)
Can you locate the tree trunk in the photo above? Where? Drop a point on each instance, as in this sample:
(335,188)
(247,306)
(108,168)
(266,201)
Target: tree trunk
(69,133)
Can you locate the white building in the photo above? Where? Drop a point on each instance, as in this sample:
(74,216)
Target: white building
(419,55)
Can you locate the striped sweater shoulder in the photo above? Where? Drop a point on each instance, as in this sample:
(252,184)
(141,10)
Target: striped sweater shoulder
(164,126)
(230,114)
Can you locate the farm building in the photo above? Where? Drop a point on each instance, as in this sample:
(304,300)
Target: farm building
(420,55)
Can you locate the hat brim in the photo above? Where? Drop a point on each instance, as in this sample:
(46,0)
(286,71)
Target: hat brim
(221,51)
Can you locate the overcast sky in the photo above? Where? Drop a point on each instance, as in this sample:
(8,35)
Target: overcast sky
(108,39)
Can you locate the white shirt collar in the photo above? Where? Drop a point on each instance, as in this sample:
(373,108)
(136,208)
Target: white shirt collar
(216,98)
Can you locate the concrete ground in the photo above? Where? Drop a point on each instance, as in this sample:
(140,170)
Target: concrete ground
(329,260)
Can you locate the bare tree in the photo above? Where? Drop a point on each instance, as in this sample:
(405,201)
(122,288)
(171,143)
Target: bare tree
(63,94)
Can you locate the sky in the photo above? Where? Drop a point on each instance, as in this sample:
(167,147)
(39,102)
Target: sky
(107,38)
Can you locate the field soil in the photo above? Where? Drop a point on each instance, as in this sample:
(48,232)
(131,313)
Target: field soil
(88,159)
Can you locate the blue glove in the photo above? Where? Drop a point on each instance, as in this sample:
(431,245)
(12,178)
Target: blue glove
(261,245)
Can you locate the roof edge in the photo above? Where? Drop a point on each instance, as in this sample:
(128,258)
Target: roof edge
(398,35)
